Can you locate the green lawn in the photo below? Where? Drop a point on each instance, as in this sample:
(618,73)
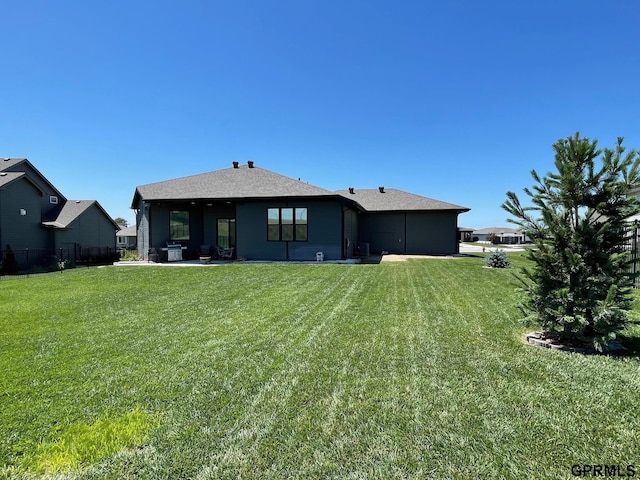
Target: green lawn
(415,369)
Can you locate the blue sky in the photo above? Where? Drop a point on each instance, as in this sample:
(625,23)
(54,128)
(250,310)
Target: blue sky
(453,100)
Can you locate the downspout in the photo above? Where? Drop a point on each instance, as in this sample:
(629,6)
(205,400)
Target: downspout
(145,223)
(286,243)
(148,233)
(344,249)
(1,244)
(457,235)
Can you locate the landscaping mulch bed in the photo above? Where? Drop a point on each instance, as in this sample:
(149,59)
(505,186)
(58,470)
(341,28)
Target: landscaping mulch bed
(539,339)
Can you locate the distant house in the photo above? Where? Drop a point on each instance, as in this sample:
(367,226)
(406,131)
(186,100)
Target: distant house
(503,235)
(466,234)
(38,222)
(126,238)
(263,215)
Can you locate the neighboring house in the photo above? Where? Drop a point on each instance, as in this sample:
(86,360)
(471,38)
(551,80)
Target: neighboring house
(126,238)
(503,235)
(466,234)
(37,221)
(267,216)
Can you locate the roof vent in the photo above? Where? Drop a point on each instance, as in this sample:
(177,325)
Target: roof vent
(250,163)
(381,189)
(235,164)
(352,190)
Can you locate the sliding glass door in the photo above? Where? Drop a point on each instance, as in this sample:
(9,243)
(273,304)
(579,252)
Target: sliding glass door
(226,232)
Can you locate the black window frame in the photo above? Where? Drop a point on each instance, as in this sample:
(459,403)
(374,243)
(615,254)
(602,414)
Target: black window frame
(293,226)
(172,229)
(231,226)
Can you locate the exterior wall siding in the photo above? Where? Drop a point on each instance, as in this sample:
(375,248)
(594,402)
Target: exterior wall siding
(333,229)
(91,228)
(158,228)
(383,232)
(203,224)
(210,216)
(410,232)
(46,208)
(22,231)
(142,228)
(432,233)
(324,231)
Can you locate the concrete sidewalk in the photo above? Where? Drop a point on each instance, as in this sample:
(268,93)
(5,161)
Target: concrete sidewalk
(489,247)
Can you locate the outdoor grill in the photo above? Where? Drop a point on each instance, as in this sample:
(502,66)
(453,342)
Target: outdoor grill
(174,252)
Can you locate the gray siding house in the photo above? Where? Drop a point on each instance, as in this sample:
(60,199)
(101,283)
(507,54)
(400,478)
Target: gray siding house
(263,215)
(126,238)
(36,220)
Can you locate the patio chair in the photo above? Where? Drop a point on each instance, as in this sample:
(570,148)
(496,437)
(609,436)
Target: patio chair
(226,253)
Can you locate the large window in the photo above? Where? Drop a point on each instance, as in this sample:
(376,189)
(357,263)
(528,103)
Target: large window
(287,224)
(179,225)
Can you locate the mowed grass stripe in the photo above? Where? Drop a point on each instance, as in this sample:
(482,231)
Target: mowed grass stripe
(239,448)
(408,370)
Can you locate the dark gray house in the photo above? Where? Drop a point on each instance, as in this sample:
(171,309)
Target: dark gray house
(126,238)
(37,221)
(263,215)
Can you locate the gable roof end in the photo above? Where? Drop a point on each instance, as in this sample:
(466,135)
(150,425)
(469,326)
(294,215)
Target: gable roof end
(72,210)
(14,165)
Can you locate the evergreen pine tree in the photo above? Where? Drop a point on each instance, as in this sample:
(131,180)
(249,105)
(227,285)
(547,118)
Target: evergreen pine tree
(579,288)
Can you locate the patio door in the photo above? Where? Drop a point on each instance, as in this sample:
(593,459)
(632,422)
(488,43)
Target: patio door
(226,232)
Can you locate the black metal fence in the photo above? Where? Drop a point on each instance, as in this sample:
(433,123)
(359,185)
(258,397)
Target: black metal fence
(633,242)
(26,261)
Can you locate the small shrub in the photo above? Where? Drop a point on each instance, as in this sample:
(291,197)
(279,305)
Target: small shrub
(498,259)
(9,266)
(131,256)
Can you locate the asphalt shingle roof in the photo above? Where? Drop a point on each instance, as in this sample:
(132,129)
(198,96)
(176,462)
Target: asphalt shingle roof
(23,165)
(127,231)
(6,163)
(229,183)
(391,200)
(8,177)
(71,211)
(256,182)
(496,230)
